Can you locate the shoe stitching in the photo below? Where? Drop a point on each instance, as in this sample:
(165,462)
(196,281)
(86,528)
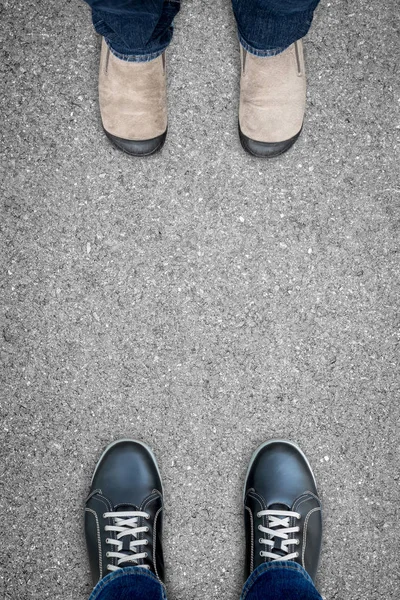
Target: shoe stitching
(103,500)
(154,542)
(155,495)
(252,539)
(253,494)
(258,497)
(90,510)
(106,501)
(93,494)
(317,508)
(305,498)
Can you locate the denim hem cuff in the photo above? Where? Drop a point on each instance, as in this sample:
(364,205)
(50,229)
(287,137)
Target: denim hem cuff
(131,575)
(281,565)
(135,57)
(258,52)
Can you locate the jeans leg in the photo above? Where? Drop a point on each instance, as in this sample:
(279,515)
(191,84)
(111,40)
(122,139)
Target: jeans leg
(280,580)
(130,583)
(137,30)
(267,27)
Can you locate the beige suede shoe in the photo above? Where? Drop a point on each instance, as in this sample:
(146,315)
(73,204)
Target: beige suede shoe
(133,102)
(272,101)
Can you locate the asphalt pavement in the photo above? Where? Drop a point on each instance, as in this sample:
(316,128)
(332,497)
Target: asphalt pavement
(200,300)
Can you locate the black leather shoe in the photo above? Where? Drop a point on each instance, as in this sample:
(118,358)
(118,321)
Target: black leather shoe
(282,511)
(123,513)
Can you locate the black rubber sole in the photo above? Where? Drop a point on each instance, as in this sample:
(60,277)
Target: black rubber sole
(138,148)
(266,149)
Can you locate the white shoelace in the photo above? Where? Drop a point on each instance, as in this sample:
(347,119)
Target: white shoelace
(126,523)
(278,527)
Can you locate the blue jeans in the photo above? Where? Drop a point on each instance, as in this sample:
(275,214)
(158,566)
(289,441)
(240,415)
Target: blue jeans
(280,580)
(140,30)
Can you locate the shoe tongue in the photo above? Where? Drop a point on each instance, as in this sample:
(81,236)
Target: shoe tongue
(126,508)
(278,506)
(277,541)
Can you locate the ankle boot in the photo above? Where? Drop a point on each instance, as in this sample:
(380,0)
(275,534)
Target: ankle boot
(133,102)
(272,101)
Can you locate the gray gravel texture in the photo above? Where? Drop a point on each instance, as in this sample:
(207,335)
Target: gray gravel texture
(200,300)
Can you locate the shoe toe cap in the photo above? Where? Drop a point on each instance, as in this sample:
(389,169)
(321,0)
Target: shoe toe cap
(266,149)
(127,473)
(138,147)
(280,472)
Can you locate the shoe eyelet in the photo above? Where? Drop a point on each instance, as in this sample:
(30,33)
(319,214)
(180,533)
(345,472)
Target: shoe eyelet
(107,554)
(259,528)
(147,529)
(260,540)
(107,540)
(147,517)
(104,516)
(297,542)
(146,542)
(297,555)
(146,555)
(258,515)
